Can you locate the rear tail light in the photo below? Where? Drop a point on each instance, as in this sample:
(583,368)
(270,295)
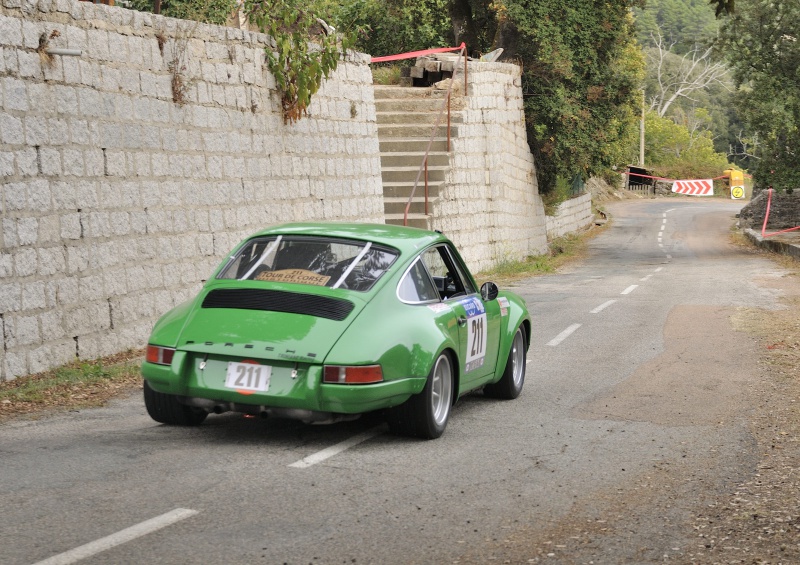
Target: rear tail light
(364,374)
(159,355)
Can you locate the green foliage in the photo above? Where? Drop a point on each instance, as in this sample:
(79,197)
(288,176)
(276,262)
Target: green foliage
(763,49)
(581,76)
(560,193)
(207,11)
(389,74)
(682,23)
(676,152)
(302,53)
(394,26)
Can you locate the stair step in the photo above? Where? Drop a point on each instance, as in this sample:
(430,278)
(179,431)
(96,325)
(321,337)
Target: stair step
(417,118)
(398,205)
(412,144)
(384,92)
(414,220)
(408,174)
(426,104)
(414,159)
(412,130)
(403,190)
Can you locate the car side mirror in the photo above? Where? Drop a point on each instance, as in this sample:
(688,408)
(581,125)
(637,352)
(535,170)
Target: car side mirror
(489,291)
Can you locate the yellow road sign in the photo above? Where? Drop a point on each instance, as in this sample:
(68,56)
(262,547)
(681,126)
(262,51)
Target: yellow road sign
(737,192)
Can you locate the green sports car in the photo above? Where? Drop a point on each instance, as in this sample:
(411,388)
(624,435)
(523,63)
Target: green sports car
(323,322)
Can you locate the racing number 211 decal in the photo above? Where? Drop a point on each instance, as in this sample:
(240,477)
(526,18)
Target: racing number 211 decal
(476,333)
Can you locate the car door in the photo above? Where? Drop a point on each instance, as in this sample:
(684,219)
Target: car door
(478,321)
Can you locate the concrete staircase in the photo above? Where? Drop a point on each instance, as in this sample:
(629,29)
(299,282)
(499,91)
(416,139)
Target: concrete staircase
(406,116)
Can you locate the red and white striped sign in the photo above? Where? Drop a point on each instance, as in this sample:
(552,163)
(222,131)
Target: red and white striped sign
(697,187)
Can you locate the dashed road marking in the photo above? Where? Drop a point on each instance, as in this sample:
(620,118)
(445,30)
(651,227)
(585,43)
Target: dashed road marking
(563,335)
(630,289)
(644,279)
(329,452)
(123,536)
(602,307)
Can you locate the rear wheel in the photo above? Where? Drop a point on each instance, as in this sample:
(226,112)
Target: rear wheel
(426,414)
(166,409)
(510,384)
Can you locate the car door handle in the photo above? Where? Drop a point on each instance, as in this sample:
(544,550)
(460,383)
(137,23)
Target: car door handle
(462,321)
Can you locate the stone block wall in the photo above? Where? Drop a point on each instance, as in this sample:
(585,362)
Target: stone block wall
(117,201)
(490,206)
(572,215)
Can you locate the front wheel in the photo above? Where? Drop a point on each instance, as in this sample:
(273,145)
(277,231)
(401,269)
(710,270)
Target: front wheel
(426,414)
(510,384)
(166,409)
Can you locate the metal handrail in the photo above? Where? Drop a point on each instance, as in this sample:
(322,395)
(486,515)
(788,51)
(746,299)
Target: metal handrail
(424,165)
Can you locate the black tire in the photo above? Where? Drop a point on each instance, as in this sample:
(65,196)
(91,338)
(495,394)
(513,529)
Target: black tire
(510,384)
(425,415)
(166,409)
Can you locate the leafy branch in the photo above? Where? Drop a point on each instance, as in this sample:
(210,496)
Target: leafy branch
(305,50)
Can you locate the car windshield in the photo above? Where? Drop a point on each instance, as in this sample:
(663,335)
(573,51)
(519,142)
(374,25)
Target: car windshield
(319,261)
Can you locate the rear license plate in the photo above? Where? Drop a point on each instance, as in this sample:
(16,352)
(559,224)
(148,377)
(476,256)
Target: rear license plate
(248,376)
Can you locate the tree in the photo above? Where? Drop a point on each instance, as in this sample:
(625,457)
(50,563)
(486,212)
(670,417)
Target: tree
(682,23)
(681,150)
(207,11)
(763,48)
(582,74)
(680,77)
(394,26)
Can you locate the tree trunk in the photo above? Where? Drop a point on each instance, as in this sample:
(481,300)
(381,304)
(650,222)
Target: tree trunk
(506,38)
(464,24)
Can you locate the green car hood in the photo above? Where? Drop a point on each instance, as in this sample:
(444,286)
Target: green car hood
(262,324)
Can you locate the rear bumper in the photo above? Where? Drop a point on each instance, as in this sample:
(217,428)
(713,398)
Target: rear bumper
(295,391)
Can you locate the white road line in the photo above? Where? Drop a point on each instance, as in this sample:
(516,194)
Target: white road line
(630,289)
(602,307)
(123,536)
(563,335)
(329,452)
(645,279)
(661,233)
(659,269)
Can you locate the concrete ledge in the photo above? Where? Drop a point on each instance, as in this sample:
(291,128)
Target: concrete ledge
(776,245)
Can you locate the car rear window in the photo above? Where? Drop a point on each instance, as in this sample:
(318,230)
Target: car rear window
(317,261)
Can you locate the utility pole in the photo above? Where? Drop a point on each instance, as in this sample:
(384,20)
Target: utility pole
(641,135)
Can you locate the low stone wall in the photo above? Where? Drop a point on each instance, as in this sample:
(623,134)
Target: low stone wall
(117,201)
(572,215)
(490,205)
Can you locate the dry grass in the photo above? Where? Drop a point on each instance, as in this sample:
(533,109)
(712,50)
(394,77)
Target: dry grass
(74,386)
(561,251)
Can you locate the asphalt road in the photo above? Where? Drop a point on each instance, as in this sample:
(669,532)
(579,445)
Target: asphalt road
(636,381)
